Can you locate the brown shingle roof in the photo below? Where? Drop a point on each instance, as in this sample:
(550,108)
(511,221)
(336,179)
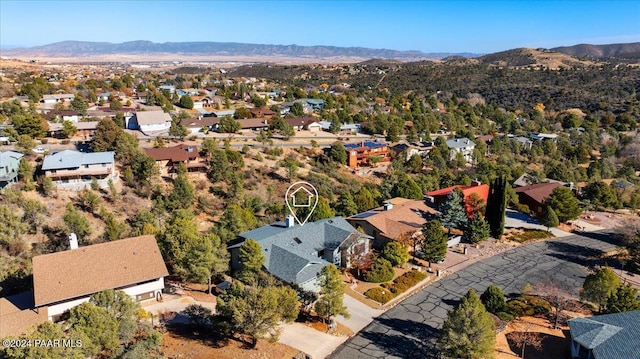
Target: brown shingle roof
(91,269)
(300,121)
(539,191)
(402,218)
(205,121)
(177,153)
(17,314)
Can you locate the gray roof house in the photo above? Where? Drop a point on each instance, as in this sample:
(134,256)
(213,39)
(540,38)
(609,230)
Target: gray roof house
(462,145)
(297,254)
(9,163)
(75,170)
(609,336)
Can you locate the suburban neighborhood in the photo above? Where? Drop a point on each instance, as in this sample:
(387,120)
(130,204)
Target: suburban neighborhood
(472,207)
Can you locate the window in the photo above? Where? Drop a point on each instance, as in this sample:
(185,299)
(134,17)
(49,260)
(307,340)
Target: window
(86,166)
(104,165)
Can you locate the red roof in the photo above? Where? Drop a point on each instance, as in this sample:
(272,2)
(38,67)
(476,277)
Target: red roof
(481,190)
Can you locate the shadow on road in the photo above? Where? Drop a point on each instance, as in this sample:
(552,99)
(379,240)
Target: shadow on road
(409,343)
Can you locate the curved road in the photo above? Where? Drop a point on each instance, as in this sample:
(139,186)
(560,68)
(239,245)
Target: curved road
(410,329)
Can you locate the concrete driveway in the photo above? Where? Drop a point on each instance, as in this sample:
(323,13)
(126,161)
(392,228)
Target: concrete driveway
(361,314)
(309,340)
(176,304)
(410,329)
(515,219)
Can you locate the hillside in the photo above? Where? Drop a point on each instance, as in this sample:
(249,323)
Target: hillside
(524,57)
(83,48)
(630,50)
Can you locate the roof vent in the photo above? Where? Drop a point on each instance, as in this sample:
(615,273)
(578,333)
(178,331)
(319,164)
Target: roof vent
(388,206)
(289,221)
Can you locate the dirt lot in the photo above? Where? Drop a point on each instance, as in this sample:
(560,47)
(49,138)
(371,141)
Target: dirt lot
(555,343)
(179,346)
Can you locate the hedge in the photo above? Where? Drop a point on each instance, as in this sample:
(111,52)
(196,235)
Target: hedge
(399,285)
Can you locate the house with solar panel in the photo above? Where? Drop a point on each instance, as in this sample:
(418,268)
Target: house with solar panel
(359,154)
(74,170)
(296,254)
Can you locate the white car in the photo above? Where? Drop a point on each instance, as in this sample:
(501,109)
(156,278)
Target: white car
(39,150)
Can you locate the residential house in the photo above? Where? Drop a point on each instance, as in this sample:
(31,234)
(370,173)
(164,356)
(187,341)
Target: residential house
(527,179)
(9,164)
(62,115)
(201,124)
(304,123)
(85,129)
(438,197)
(56,98)
(151,123)
(254,124)
(189,92)
(297,254)
(358,154)
(262,112)
(421,149)
(609,336)
(544,136)
(345,128)
(222,113)
(314,104)
(533,196)
(75,170)
(63,280)
(399,216)
(461,145)
(169,158)
(169,88)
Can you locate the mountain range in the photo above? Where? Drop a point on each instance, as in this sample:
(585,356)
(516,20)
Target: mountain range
(145,50)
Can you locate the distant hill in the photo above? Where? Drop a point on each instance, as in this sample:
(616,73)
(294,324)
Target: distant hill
(82,48)
(630,50)
(525,57)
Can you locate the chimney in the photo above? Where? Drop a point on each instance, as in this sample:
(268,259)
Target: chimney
(73,241)
(362,144)
(289,221)
(388,206)
(189,149)
(265,121)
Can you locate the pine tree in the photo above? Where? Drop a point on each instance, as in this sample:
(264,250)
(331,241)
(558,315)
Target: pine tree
(469,331)
(625,299)
(434,245)
(564,204)
(452,212)
(251,259)
(493,299)
(599,286)
(330,302)
(477,230)
(549,218)
(346,205)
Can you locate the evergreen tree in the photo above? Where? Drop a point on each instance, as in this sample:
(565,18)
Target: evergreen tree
(599,286)
(496,207)
(330,302)
(76,222)
(346,206)
(625,299)
(549,218)
(493,299)
(452,212)
(182,195)
(251,259)
(434,245)
(338,153)
(380,271)
(564,204)
(364,200)
(477,229)
(186,102)
(406,187)
(468,332)
(395,253)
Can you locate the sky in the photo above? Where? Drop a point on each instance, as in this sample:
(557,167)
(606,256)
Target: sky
(453,26)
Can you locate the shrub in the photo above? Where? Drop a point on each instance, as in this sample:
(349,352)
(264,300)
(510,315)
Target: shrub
(381,271)
(504,316)
(395,253)
(380,295)
(44,141)
(528,305)
(493,299)
(406,281)
(65,142)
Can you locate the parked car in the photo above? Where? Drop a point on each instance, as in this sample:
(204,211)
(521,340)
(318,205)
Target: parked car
(39,150)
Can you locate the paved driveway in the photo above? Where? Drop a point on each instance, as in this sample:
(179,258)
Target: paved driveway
(361,314)
(313,342)
(410,329)
(515,219)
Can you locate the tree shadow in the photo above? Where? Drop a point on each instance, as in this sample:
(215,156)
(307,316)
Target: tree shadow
(413,339)
(552,347)
(578,254)
(204,334)
(606,236)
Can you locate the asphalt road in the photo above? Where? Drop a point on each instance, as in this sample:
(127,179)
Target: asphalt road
(410,329)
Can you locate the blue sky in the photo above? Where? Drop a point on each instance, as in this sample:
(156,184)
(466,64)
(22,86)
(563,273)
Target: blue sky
(428,26)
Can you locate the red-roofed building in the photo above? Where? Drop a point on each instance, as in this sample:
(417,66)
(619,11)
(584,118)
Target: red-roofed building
(440,196)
